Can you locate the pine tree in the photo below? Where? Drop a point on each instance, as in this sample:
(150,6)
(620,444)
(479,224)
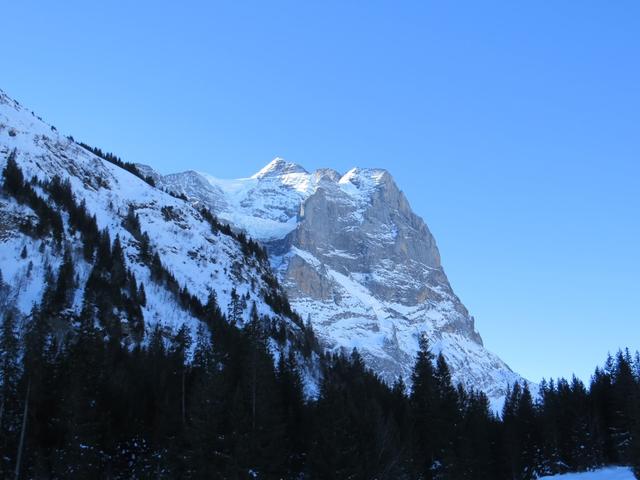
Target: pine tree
(235,308)
(9,395)
(4,294)
(292,401)
(212,312)
(635,428)
(512,442)
(527,426)
(178,354)
(13,178)
(205,411)
(424,411)
(448,419)
(64,284)
(624,396)
(142,295)
(334,452)
(145,248)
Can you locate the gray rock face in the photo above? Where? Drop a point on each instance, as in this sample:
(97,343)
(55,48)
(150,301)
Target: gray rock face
(358,262)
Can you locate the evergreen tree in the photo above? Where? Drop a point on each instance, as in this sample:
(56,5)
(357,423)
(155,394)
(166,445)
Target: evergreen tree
(235,308)
(447,421)
(296,424)
(205,412)
(142,295)
(13,178)
(624,389)
(424,401)
(9,394)
(65,284)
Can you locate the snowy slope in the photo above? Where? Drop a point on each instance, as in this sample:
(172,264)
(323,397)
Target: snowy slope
(610,473)
(357,262)
(199,259)
(349,251)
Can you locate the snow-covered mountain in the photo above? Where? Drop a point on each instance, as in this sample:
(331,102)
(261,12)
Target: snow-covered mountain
(349,252)
(356,261)
(201,258)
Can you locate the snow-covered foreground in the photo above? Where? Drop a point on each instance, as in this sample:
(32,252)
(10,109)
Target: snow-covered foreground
(610,473)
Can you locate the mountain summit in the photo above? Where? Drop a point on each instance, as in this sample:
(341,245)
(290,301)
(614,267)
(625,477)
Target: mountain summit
(357,263)
(278,166)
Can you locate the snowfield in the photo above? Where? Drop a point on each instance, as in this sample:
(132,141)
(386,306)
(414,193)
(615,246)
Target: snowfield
(610,473)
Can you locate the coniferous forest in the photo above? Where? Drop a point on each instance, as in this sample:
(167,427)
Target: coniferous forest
(220,402)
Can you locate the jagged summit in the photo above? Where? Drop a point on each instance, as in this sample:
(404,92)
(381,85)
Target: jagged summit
(278,166)
(356,260)
(374,174)
(348,249)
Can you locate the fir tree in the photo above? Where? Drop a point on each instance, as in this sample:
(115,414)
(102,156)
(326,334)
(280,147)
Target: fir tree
(9,394)
(423,410)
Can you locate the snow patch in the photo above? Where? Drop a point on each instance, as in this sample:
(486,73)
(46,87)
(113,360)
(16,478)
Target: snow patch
(609,473)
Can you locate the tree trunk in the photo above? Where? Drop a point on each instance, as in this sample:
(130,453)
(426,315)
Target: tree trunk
(23,431)
(184,409)
(253,393)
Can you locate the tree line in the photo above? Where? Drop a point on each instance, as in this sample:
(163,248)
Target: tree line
(222,403)
(99,393)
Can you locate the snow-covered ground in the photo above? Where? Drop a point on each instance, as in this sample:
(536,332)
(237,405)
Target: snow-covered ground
(201,259)
(610,473)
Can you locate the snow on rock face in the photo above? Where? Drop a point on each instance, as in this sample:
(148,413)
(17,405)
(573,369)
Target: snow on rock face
(278,167)
(200,259)
(349,250)
(358,262)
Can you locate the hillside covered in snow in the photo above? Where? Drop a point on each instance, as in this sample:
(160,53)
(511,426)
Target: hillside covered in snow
(178,255)
(184,326)
(355,260)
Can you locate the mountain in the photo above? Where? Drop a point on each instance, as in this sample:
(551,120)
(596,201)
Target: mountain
(356,261)
(345,252)
(143,337)
(74,198)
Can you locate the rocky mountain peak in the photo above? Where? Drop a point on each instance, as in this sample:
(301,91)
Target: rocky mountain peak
(369,176)
(277,167)
(359,263)
(326,174)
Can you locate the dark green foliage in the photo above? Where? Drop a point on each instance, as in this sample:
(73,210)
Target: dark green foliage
(520,435)
(277,300)
(111,158)
(14,180)
(98,407)
(79,218)
(49,220)
(104,404)
(9,378)
(249,246)
(423,410)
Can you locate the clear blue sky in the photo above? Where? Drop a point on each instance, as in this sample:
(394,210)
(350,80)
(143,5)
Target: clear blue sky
(512,127)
